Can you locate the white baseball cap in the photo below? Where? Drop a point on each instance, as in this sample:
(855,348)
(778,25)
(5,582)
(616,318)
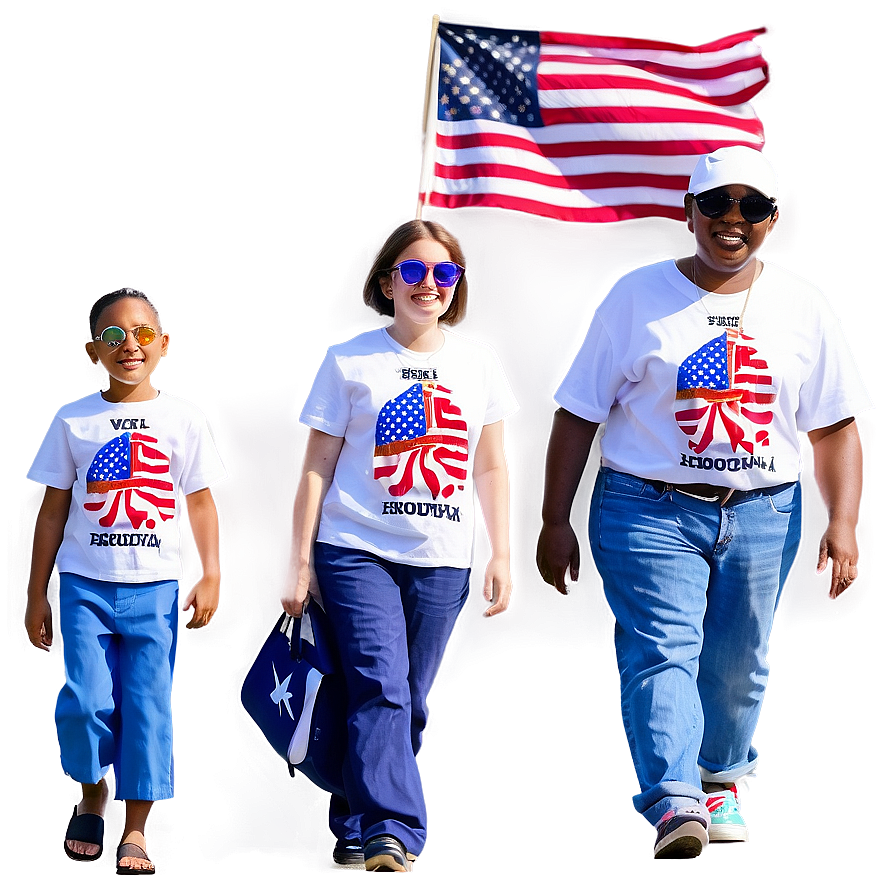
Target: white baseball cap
(734,165)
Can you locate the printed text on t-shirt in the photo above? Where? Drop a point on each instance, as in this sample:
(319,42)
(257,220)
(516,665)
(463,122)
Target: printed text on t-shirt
(731,464)
(419,373)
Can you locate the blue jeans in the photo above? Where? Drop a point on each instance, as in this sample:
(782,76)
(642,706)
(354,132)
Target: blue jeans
(115,707)
(392,623)
(693,586)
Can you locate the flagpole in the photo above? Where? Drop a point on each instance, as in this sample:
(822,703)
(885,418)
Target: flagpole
(425,175)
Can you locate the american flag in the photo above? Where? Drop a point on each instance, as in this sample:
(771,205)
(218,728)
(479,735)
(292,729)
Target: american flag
(133,478)
(724,383)
(421,435)
(585,128)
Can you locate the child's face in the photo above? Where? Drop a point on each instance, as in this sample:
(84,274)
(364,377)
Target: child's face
(130,364)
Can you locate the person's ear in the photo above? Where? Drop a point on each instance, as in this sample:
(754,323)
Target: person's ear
(689,210)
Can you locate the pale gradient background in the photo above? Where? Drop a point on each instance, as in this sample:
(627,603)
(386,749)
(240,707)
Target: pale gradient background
(241,163)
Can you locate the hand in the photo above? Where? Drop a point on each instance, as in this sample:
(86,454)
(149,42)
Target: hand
(498,586)
(297,596)
(838,544)
(39,622)
(204,601)
(557,551)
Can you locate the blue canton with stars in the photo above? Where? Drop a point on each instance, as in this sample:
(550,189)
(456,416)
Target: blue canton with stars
(707,368)
(112,462)
(402,418)
(489,74)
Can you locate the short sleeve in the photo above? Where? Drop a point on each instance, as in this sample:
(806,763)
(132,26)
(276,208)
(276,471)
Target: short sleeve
(53,465)
(327,407)
(204,466)
(592,383)
(834,390)
(501,403)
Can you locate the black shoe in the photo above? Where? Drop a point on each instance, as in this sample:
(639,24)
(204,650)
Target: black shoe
(386,853)
(348,852)
(681,834)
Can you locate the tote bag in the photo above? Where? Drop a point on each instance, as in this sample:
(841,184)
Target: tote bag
(295,694)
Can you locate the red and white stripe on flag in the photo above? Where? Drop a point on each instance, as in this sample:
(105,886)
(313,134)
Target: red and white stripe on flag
(585,128)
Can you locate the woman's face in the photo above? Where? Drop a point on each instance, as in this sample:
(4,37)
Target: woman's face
(420,303)
(726,244)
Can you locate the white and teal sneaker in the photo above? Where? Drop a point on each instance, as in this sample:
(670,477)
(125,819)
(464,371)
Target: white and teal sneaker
(725,820)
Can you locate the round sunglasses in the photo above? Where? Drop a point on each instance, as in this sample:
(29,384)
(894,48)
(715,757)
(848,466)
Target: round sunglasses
(753,208)
(115,336)
(413,271)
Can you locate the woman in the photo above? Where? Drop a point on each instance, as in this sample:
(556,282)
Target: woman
(400,418)
(704,370)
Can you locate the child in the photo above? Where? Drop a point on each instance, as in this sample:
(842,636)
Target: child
(115,465)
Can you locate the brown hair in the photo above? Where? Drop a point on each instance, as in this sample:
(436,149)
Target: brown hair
(398,241)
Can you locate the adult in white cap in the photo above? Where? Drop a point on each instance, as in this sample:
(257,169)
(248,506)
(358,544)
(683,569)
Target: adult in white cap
(705,371)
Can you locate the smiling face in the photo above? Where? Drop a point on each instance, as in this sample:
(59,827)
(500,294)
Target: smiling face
(130,364)
(727,245)
(418,306)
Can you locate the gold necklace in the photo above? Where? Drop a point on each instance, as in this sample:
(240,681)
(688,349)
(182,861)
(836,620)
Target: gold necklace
(740,322)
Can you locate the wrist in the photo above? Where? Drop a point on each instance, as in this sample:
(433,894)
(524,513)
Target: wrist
(843,520)
(36,594)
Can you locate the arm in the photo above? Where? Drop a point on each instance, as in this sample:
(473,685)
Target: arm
(838,470)
(204,523)
(321,454)
(568,450)
(48,531)
(490,477)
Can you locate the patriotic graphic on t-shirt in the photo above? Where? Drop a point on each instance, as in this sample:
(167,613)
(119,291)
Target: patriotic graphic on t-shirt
(132,478)
(421,439)
(726,392)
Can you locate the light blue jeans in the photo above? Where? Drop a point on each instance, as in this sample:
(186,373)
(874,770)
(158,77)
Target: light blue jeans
(693,586)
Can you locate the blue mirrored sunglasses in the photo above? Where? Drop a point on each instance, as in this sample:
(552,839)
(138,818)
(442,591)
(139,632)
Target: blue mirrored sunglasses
(444,273)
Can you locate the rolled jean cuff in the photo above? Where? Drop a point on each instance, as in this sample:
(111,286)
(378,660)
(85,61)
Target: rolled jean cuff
(729,775)
(654,802)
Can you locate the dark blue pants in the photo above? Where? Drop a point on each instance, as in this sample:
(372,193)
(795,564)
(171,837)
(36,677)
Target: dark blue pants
(392,623)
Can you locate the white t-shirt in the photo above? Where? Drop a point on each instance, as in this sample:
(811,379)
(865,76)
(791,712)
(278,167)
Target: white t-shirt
(686,399)
(128,465)
(411,422)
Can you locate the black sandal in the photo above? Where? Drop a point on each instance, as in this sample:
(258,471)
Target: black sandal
(86,828)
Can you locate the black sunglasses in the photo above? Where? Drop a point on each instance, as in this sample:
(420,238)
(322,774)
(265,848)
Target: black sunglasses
(753,208)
